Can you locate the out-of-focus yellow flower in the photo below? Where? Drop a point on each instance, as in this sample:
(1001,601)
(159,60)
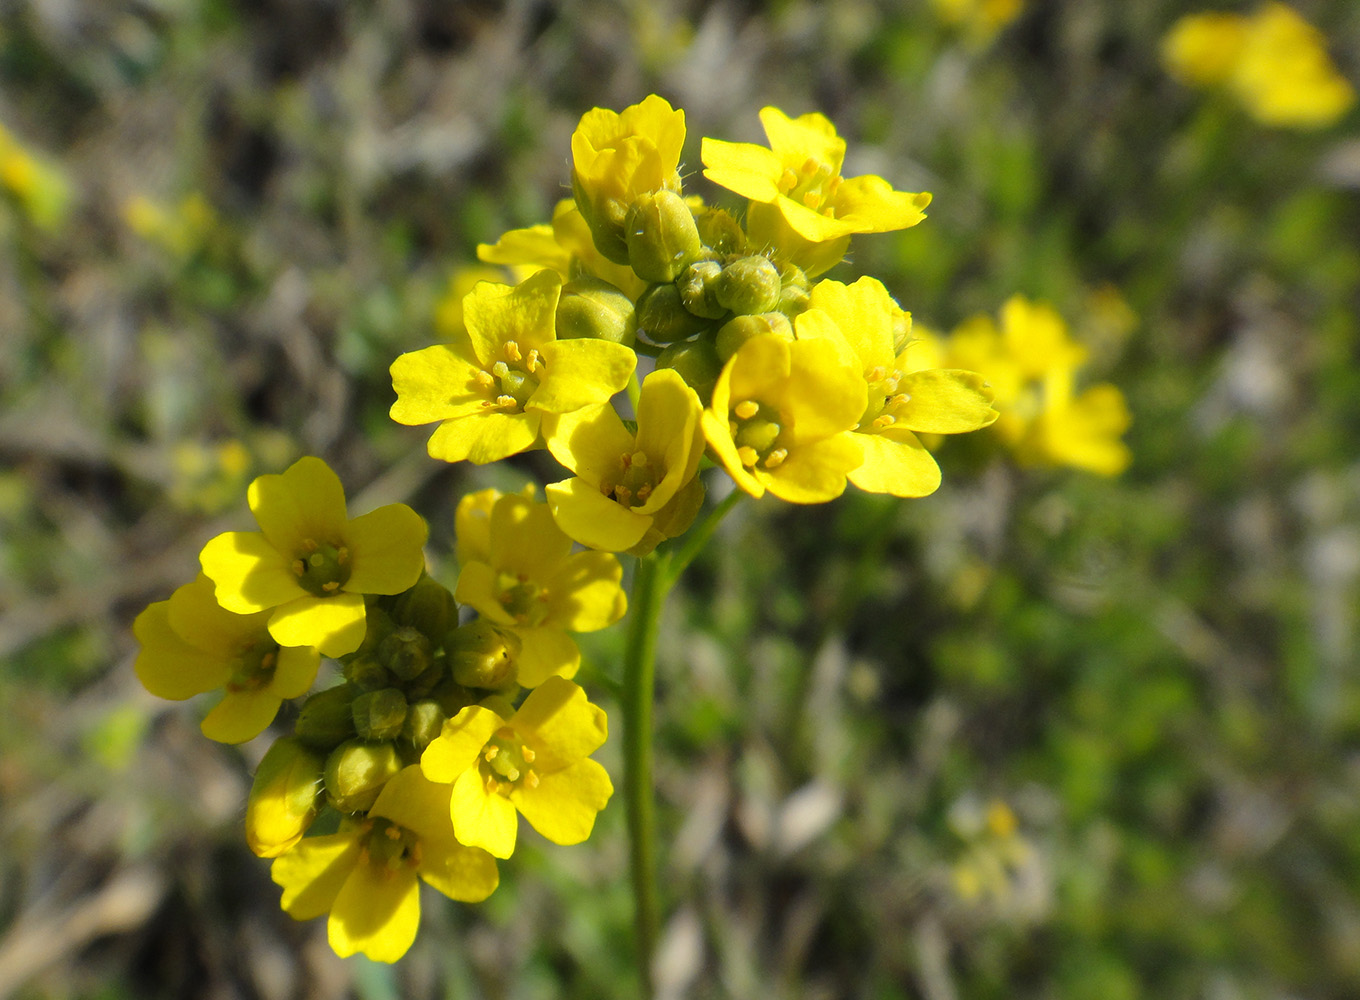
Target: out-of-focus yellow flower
(472,522)
(619,156)
(366,876)
(310,565)
(492,386)
(191,645)
(208,478)
(535,761)
(980,19)
(40,187)
(782,416)
(801,205)
(181,231)
(1273,61)
(902,401)
(533,584)
(631,490)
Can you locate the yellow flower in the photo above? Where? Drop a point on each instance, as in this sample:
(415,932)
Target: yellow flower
(902,402)
(40,187)
(631,490)
(800,200)
(619,156)
(532,584)
(366,875)
(1201,49)
(191,645)
(310,563)
(491,387)
(535,761)
(781,416)
(472,523)
(982,19)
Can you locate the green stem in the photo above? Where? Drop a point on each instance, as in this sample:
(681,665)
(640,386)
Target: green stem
(650,585)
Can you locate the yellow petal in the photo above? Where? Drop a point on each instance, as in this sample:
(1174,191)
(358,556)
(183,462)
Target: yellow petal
(580,373)
(744,168)
(719,438)
(560,725)
(385,550)
(472,525)
(413,801)
(377,912)
(314,871)
(249,573)
(544,653)
(825,394)
(200,621)
(863,313)
(585,594)
(564,804)
(902,468)
(483,819)
(524,313)
(525,541)
(294,671)
(459,743)
(484,437)
(591,441)
(815,472)
(810,135)
(168,666)
(438,383)
(870,205)
(593,519)
(467,874)
(306,501)
(669,433)
(334,625)
(479,588)
(536,245)
(241,716)
(944,401)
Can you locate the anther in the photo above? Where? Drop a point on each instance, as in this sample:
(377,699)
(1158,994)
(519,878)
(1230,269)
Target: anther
(877,374)
(331,586)
(492,753)
(486,378)
(884,420)
(512,351)
(505,400)
(531,779)
(299,567)
(746,409)
(644,491)
(533,363)
(342,555)
(310,544)
(776,458)
(811,199)
(623,494)
(392,833)
(528,755)
(788,180)
(748,455)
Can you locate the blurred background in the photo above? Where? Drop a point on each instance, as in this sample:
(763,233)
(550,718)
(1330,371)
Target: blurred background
(1045,734)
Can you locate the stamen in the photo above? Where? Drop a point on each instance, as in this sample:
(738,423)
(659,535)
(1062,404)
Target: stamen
(310,544)
(492,753)
(748,455)
(776,458)
(788,180)
(877,374)
(644,491)
(505,400)
(342,555)
(532,363)
(623,494)
(331,586)
(531,779)
(298,567)
(884,420)
(512,351)
(528,755)
(746,409)
(811,199)
(486,378)
(392,833)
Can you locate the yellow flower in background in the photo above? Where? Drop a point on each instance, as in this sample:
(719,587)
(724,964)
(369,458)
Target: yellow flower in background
(531,583)
(619,156)
(310,565)
(367,876)
(534,761)
(782,414)
(981,19)
(492,386)
(631,490)
(796,188)
(1273,61)
(191,645)
(40,188)
(181,230)
(902,401)
(472,522)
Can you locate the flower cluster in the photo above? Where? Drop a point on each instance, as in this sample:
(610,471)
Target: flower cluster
(1032,364)
(1273,61)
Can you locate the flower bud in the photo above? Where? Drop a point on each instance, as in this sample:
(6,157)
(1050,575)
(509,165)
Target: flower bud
(661,236)
(662,317)
(327,718)
(367,673)
(406,653)
(749,285)
(590,308)
(428,606)
(698,364)
(720,232)
(482,656)
(424,720)
(452,697)
(697,291)
(283,796)
(378,715)
(356,772)
(793,291)
(739,329)
(605,220)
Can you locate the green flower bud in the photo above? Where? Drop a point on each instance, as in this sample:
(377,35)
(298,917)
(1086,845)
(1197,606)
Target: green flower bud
(428,606)
(793,291)
(662,317)
(739,329)
(661,236)
(697,291)
(283,797)
(424,720)
(327,718)
(591,308)
(378,624)
(720,232)
(749,285)
(366,673)
(482,656)
(606,223)
(378,715)
(406,653)
(356,772)
(452,697)
(698,364)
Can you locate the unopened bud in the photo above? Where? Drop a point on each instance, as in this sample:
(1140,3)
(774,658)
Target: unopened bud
(739,329)
(367,673)
(605,219)
(327,718)
(483,656)
(406,653)
(378,715)
(697,291)
(428,606)
(424,720)
(749,285)
(793,291)
(282,802)
(720,232)
(662,317)
(590,308)
(356,772)
(661,236)
(698,364)
(452,697)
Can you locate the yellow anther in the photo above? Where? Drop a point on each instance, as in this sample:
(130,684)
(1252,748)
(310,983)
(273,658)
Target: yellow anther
(342,555)
(392,833)
(310,544)
(810,166)
(330,586)
(901,399)
(831,187)
(268,660)
(512,351)
(299,567)
(528,755)
(505,400)
(486,378)
(623,494)
(492,785)
(746,409)
(531,779)
(811,199)
(776,458)
(876,374)
(884,420)
(788,180)
(491,753)
(500,369)
(413,855)
(533,362)
(644,491)
(626,460)
(748,456)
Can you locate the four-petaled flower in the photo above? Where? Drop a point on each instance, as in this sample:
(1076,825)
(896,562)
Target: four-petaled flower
(309,562)
(534,761)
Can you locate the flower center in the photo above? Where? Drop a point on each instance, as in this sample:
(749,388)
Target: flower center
(505,762)
(636,479)
(510,382)
(756,432)
(390,846)
(253,667)
(812,184)
(884,399)
(322,568)
(523,599)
